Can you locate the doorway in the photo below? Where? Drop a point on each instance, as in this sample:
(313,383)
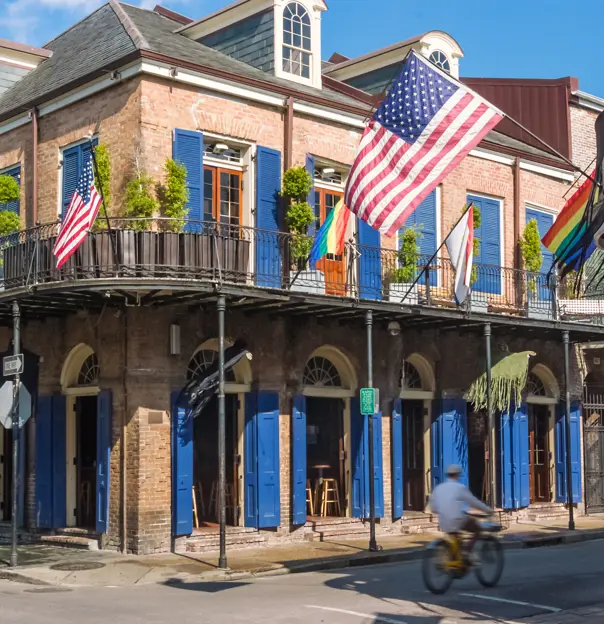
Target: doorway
(326,455)
(413,455)
(206,460)
(86,459)
(477,454)
(539,453)
(331,265)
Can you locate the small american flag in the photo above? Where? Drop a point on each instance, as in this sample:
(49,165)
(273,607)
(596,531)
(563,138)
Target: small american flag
(426,125)
(80,216)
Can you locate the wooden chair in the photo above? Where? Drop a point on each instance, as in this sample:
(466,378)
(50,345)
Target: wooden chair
(330,497)
(230,503)
(310,498)
(195,516)
(202,502)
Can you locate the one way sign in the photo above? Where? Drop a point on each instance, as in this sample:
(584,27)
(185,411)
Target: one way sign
(13,365)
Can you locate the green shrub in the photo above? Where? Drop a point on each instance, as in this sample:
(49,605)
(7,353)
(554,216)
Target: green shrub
(9,189)
(297,183)
(9,222)
(174,195)
(140,201)
(532,256)
(408,257)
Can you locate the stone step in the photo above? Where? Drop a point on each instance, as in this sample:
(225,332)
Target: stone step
(70,541)
(321,523)
(350,532)
(211,543)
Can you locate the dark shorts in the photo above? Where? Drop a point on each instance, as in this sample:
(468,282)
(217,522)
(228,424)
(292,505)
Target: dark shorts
(471,525)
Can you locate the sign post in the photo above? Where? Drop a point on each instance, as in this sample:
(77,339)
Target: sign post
(15,363)
(368,409)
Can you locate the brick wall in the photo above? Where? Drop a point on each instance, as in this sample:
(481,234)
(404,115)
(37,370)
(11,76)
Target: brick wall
(582,122)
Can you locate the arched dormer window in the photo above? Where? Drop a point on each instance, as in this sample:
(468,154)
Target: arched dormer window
(440,60)
(296,40)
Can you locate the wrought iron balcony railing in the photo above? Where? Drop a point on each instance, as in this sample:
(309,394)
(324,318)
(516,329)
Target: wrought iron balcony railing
(209,251)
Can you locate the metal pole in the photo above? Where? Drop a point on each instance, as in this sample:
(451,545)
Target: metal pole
(569,476)
(490,424)
(222,560)
(15,418)
(372,543)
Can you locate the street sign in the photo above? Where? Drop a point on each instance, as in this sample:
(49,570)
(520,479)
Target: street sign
(12,365)
(368,396)
(6,404)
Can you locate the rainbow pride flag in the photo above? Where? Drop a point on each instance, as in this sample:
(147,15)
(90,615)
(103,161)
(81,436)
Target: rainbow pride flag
(569,227)
(330,237)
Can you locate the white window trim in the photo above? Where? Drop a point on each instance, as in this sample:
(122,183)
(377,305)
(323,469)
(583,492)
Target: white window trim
(539,208)
(13,166)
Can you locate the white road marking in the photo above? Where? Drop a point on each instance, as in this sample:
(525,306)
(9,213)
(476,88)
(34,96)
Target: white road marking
(514,602)
(357,614)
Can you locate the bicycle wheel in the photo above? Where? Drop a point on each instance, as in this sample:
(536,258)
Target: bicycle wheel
(490,555)
(435,571)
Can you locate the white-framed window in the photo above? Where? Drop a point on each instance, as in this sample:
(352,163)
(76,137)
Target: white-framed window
(441,60)
(297,41)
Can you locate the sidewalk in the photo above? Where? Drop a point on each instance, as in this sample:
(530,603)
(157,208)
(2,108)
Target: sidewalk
(51,565)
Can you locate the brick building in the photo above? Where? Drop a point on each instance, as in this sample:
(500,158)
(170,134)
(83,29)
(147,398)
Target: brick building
(239,97)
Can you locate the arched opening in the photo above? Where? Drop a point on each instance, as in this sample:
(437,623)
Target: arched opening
(328,383)
(205,439)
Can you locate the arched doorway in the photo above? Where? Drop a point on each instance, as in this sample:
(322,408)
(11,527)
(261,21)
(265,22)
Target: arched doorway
(205,441)
(417,392)
(328,384)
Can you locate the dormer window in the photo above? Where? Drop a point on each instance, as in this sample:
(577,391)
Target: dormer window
(440,60)
(296,40)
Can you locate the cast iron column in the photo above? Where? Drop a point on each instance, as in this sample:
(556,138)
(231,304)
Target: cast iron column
(222,560)
(490,424)
(372,542)
(15,418)
(569,475)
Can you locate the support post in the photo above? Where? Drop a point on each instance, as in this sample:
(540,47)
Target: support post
(372,543)
(569,475)
(222,560)
(16,431)
(490,423)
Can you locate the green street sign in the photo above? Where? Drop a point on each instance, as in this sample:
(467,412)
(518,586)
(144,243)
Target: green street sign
(368,401)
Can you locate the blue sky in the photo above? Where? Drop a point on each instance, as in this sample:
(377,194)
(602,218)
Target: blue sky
(500,38)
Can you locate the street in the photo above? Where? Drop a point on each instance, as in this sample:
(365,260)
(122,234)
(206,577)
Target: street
(542,582)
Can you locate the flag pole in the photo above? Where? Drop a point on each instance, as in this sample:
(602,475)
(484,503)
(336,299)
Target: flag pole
(100,190)
(463,214)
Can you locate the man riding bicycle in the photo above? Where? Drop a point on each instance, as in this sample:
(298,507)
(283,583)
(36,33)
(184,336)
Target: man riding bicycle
(450,501)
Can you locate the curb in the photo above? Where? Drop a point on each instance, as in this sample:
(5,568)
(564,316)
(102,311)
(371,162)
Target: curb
(17,577)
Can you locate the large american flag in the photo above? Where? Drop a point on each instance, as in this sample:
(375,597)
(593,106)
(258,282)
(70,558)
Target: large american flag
(80,216)
(426,125)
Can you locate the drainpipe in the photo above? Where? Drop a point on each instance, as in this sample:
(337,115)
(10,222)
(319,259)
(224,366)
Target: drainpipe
(568,448)
(288,139)
(125,440)
(34,203)
(517,263)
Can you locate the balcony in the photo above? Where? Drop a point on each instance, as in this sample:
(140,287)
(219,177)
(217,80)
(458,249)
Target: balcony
(166,251)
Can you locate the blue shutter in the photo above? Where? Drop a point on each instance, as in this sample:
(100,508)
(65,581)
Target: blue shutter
(299,459)
(507,470)
(59,461)
(378,467)
(71,175)
(488,235)
(269,507)
(187,148)
(521,456)
(455,435)
(103,468)
(310,167)
(575,443)
(250,462)
(370,262)
(13,206)
(424,219)
(357,425)
(397,459)
(22,483)
(44,465)
(269,249)
(438,471)
(182,468)
(544,223)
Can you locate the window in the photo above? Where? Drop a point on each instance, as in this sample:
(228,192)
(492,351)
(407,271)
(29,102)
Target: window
(296,40)
(335,177)
(202,360)
(321,372)
(534,386)
(231,155)
(222,196)
(325,202)
(74,160)
(440,60)
(90,371)
(411,379)
(13,172)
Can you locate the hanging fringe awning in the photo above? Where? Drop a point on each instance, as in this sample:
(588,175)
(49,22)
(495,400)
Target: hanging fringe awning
(508,379)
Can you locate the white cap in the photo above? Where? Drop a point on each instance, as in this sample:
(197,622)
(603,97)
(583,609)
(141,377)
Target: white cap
(453,470)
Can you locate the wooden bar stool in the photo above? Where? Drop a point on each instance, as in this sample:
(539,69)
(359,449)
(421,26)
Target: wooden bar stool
(310,498)
(330,496)
(195,516)
(202,502)
(228,490)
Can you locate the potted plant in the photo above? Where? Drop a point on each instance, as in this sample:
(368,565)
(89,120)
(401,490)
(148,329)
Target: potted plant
(10,266)
(532,258)
(479,301)
(173,197)
(401,288)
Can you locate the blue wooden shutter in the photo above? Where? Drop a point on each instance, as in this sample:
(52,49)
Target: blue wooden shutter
(269,249)
(438,473)
(544,223)
(370,262)
(72,159)
(357,459)
(250,462)
(44,465)
(575,443)
(397,459)
(103,468)
(182,468)
(455,435)
(378,467)
(310,167)
(424,219)
(488,235)
(13,206)
(59,461)
(507,470)
(299,459)
(269,501)
(187,149)
(520,432)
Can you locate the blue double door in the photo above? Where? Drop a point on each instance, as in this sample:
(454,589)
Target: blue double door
(93,422)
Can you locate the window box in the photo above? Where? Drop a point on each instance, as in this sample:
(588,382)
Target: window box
(397,292)
(312,282)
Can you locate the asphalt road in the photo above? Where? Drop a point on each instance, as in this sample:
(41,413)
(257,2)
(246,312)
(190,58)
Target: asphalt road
(537,582)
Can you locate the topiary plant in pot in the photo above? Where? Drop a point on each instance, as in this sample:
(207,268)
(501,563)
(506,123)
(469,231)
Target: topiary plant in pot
(9,220)
(532,258)
(299,216)
(402,278)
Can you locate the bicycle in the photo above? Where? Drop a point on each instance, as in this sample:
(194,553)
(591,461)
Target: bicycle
(444,559)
